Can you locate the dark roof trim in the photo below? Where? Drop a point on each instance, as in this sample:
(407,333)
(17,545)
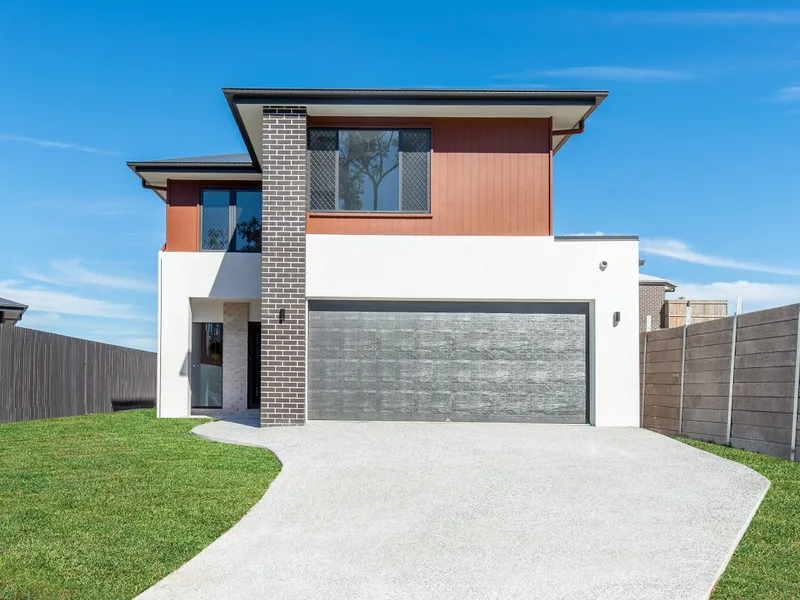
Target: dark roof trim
(410,96)
(596,238)
(367,96)
(191,168)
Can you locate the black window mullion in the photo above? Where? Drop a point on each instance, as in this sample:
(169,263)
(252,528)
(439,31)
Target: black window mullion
(232,219)
(336,172)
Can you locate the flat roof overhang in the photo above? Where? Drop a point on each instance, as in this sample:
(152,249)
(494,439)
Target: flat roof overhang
(566,108)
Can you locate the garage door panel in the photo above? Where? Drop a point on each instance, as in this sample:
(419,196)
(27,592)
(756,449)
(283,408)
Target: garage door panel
(437,361)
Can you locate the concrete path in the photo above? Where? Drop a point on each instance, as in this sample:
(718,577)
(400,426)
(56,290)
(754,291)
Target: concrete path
(475,510)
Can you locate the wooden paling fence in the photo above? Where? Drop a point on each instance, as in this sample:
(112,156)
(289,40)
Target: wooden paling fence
(44,375)
(702,311)
(729,381)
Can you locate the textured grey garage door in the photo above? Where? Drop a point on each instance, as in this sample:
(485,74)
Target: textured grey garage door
(457,361)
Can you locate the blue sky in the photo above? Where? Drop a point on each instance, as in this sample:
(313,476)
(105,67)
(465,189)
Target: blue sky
(695,149)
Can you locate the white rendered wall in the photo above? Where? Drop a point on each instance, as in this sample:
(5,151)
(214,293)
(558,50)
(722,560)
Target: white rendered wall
(198,281)
(503,268)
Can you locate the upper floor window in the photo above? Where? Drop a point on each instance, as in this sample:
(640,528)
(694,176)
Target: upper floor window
(230,220)
(369,170)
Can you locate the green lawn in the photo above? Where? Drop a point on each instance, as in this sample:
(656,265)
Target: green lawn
(103,506)
(766,565)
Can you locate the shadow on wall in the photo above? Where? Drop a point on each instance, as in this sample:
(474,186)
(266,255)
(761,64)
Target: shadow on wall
(238,276)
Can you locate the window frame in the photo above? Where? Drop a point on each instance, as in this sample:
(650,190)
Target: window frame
(367,213)
(231,217)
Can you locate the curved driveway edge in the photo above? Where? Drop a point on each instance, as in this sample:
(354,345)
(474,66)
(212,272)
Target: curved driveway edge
(475,510)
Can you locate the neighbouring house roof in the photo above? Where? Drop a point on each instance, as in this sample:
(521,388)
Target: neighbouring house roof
(15,308)
(5,303)
(566,108)
(650,280)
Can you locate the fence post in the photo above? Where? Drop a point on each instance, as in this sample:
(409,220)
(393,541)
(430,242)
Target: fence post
(648,325)
(730,382)
(683,365)
(793,446)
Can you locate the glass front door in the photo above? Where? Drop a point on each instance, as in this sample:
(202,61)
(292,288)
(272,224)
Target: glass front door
(206,365)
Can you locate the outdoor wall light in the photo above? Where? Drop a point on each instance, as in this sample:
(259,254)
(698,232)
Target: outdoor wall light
(282,316)
(603,265)
(616,318)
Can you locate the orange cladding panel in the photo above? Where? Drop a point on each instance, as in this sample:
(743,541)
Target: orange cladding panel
(488,177)
(183,210)
(183,216)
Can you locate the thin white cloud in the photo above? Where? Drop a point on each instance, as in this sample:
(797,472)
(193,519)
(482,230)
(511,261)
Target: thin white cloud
(607,73)
(35,319)
(72,272)
(755,296)
(53,144)
(706,18)
(679,250)
(788,94)
(40,299)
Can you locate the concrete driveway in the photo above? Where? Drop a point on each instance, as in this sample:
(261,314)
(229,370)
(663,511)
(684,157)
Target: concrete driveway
(475,510)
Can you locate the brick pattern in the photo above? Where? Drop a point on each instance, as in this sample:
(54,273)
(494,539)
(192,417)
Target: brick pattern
(283,267)
(651,302)
(234,356)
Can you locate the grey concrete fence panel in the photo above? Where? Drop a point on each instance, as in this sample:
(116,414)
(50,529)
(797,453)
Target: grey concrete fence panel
(731,381)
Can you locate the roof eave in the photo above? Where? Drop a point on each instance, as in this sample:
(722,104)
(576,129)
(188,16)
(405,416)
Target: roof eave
(234,96)
(142,168)
(412,96)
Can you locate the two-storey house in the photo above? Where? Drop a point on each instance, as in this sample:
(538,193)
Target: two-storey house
(388,254)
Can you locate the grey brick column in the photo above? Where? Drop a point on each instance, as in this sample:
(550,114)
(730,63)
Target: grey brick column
(283,267)
(234,356)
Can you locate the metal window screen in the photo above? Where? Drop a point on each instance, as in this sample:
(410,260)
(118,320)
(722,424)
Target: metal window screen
(415,146)
(323,163)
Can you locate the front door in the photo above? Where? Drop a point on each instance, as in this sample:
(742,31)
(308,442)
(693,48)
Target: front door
(254,365)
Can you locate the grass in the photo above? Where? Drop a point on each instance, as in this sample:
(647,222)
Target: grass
(103,506)
(766,564)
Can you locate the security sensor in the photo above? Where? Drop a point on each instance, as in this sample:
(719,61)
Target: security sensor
(603,265)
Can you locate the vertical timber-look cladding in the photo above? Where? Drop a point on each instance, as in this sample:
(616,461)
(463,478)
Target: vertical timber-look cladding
(488,177)
(283,267)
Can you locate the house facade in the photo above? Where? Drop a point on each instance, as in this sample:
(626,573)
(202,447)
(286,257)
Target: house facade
(389,255)
(652,294)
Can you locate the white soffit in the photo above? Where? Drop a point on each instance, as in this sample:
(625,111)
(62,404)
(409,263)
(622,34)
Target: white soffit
(564,116)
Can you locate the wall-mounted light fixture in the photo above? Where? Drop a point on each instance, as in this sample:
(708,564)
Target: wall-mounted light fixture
(282,316)
(603,265)
(616,318)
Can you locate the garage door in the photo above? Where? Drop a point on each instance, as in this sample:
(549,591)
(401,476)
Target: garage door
(439,361)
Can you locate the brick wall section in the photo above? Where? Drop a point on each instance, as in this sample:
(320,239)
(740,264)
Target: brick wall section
(283,267)
(651,301)
(234,356)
